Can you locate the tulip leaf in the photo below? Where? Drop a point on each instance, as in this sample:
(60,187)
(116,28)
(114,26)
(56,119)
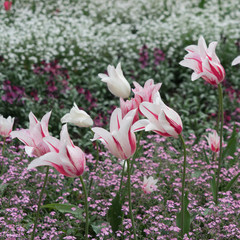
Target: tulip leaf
(232,182)
(206,157)
(115,213)
(231,147)
(66,208)
(187,217)
(214,187)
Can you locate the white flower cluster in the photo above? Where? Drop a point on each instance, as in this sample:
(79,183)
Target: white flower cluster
(100,29)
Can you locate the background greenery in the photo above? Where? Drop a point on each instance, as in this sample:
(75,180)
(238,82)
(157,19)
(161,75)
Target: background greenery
(85,36)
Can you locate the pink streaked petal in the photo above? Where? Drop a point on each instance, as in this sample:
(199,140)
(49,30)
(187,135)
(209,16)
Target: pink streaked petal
(150,110)
(174,121)
(77,159)
(29,150)
(24,136)
(53,143)
(115,120)
(211,52)
(123,133)
(202,47)
(44,124)
(64,136)
(192,64)
(140,125)
(105,137)
(192,48)
(166,126)
(45,160)
(32,120)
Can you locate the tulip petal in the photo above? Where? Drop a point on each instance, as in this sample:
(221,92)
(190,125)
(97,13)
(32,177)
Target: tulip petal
(236,61)
(115,120)
(44,124)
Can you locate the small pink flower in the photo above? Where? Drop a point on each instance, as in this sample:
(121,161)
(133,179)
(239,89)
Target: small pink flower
(121,140)
(213,141)
(33,137)
(7,5)
(65,157)
(149,185)
(160,118)
(204,62)
(6,125)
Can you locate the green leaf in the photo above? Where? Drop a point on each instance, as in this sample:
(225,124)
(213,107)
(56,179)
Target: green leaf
(214,187)
(231,147)
(66,208)
(232,182)
(187,217)
(206,157)
(115,213)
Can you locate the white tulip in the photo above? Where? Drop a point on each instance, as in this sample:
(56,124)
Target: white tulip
(77,117)
(116,82)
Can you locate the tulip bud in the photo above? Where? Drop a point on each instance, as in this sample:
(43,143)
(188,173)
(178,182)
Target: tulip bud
(7,5)
(116,82)
(77,117)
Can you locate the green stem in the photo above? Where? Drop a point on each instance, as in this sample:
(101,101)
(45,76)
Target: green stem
(120,188)
(183,184)
(39,203)
(137,149)
(221,138)
(129,199)
(3,147)
(95,168)
(86,207)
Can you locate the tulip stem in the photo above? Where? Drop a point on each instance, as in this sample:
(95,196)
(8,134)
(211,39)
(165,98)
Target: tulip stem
(2,169)
(137,149)
(183,184)
(95,168)
(129,198)
(120,188)
(39,203)
(220,94)
(86,207)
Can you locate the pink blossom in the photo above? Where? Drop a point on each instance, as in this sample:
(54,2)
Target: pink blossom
(65,157)
(204,62)
(33,137)
(121,140)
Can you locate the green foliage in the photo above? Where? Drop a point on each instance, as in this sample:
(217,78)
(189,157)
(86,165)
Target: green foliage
(115,213)
(187,218)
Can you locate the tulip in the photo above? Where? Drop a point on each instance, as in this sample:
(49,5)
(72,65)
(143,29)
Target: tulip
(213,141)
(236,61)
(77,117)
(204,62)
(66,158)
(149,185)
(127,106)
(6,125)
(116,82)
(33,137)
(160,118)
(146,93)
(120,141)
(7,5)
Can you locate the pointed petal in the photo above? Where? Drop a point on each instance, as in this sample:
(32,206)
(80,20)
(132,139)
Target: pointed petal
(236,61)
